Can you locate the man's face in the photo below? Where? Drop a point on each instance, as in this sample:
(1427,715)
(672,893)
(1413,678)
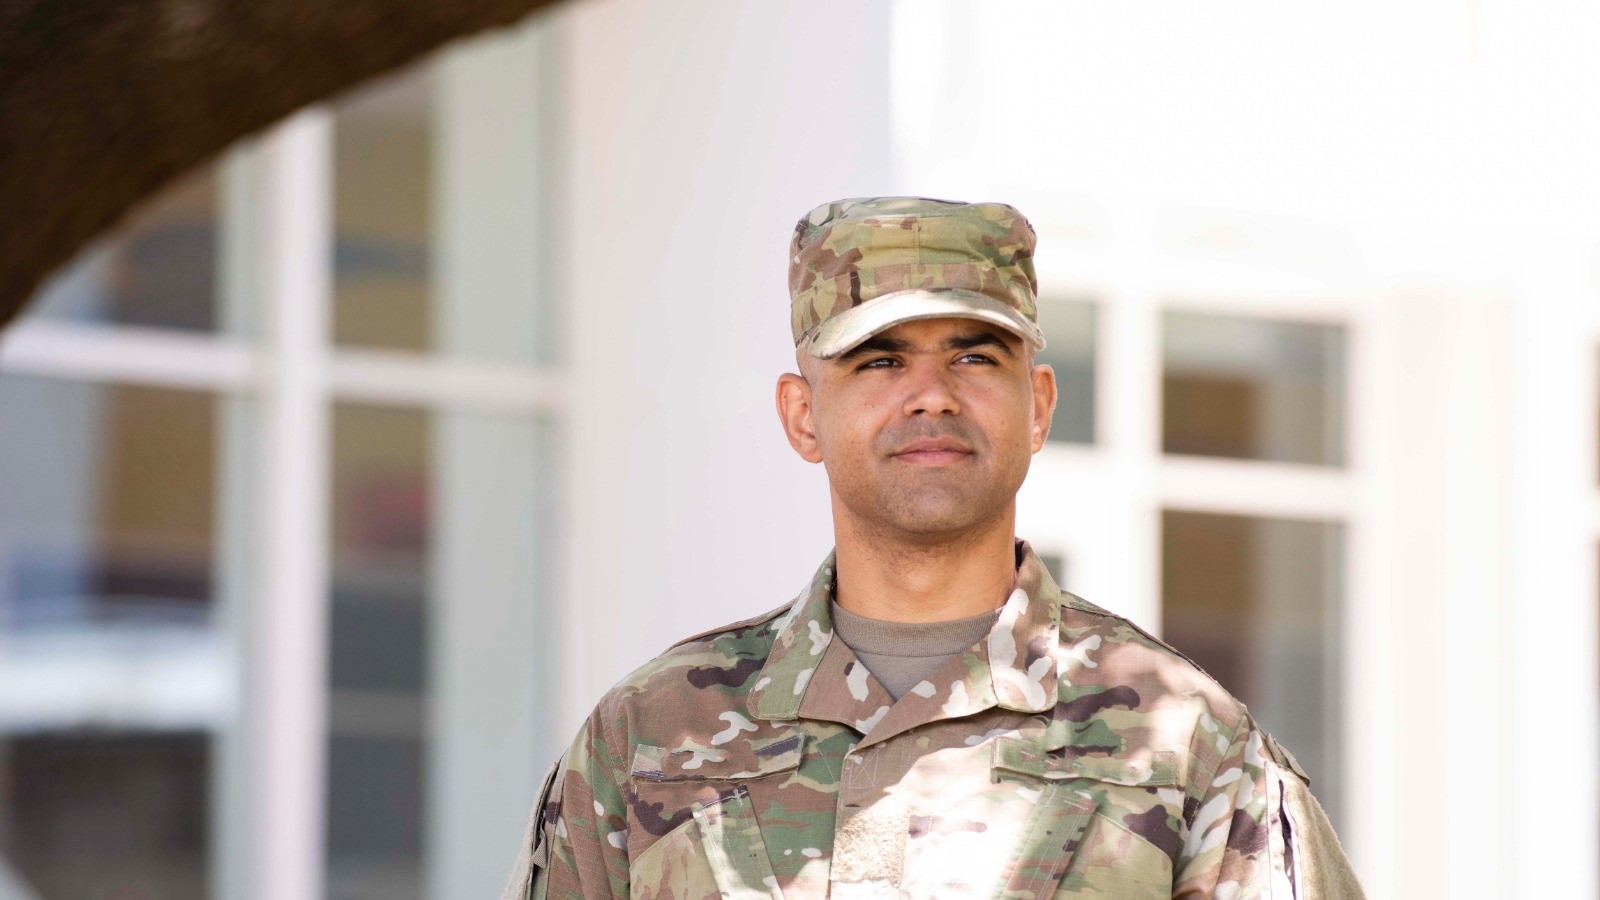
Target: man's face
(927,428)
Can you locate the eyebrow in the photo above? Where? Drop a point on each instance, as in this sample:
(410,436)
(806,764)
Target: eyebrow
(875,344)
(979,339)
(880,344)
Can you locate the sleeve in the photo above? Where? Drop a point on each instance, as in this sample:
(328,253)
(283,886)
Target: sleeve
(577,843)
(533,847)
(1256,830)
(1317,865)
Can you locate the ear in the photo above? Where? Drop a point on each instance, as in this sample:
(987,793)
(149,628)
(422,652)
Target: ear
(1044,403)
(794,412)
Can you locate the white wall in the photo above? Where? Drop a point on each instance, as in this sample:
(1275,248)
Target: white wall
(1421,171)
(1476,113)
(698,134)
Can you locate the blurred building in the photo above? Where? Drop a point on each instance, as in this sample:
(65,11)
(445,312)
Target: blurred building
(338,482)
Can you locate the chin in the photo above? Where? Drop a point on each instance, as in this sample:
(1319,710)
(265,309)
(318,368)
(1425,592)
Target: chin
(934,524)
(925,512)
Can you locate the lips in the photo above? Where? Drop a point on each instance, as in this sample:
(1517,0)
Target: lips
(933,451)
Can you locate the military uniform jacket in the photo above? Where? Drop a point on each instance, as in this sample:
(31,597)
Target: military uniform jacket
(1068,754)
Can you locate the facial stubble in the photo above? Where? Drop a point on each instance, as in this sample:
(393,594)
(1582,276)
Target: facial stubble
(929,504)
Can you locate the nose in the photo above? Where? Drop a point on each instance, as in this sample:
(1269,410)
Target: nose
(931,392)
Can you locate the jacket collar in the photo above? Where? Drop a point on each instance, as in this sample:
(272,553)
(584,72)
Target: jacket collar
(1014,667)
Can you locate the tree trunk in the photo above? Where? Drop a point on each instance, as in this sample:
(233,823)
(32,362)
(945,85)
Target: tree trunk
(102,102)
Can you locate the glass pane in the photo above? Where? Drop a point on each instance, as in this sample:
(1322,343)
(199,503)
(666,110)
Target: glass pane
(111,674)
(1256,603)
(438,570)
(1069,330)
(381,499)
(383,214)
(1253,389)
(106,505)
(158,268)
(439,205)
(97,815)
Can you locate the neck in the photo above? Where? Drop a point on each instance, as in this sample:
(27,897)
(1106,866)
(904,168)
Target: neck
(905,578)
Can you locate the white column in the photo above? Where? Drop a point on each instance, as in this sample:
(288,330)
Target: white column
(1426,662)
(1377,357)
(1474,456)
(286,663)
(239,215)
(488,651)
(1550,720)
(1128,406)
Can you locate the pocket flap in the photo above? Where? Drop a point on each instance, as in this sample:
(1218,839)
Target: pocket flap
(1147,768)
(737,759)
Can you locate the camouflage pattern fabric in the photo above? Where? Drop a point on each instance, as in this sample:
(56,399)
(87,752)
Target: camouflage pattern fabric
(850,254)
(1067,754)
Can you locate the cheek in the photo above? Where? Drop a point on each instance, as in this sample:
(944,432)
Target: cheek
(1010,418)
(846,429)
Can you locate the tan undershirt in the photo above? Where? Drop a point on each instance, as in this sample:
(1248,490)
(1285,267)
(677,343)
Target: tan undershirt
(900,654)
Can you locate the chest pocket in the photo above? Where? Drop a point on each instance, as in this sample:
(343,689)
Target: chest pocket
(711,797)
(1077,841)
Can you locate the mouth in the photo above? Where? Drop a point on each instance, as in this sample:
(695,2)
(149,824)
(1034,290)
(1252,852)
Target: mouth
(933,452)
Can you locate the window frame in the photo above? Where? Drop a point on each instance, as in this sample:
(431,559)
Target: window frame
(278,374)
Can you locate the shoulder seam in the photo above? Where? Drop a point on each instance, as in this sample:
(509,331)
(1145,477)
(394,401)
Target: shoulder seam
(1085,606)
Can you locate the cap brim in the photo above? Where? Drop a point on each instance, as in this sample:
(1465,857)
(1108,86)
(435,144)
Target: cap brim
(844,331)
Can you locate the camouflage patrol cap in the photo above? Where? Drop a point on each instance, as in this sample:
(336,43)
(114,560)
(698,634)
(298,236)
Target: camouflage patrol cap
(857,267)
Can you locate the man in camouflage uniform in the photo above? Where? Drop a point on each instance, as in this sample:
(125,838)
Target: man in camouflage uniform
(1064,752)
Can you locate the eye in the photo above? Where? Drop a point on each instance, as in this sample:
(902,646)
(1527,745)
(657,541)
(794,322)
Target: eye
(886,361)
(979,357)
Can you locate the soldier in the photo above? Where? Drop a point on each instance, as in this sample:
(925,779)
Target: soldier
(932,716)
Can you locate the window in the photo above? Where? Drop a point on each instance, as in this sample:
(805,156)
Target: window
(1069,328)
(377,649)
(90,814)
(383,183)
(176,525)
(1252,389)
(1256,603)
(107,497)
(110,665)
(158,269)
